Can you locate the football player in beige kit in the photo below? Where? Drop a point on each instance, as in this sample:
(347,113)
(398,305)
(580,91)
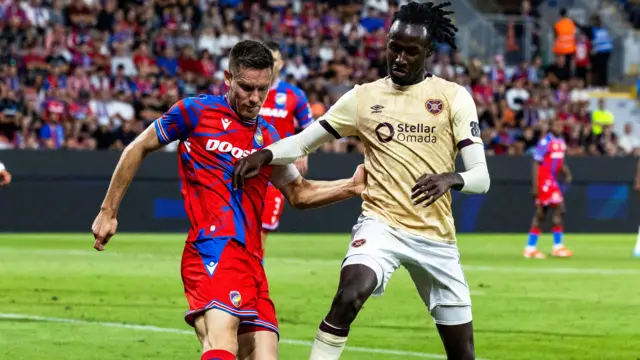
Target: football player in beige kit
(412,125)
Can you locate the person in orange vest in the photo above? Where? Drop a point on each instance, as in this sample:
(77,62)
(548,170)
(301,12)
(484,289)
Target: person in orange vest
(565,43)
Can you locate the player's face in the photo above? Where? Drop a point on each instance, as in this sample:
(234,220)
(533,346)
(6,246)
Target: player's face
(407,51)
(248,90)
(557,128)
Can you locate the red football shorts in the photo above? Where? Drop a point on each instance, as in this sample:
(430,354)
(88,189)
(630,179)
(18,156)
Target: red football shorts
(549,193)
(273,205)
(221,274)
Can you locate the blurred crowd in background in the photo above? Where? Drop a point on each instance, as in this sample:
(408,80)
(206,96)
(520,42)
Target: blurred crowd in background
(92,74)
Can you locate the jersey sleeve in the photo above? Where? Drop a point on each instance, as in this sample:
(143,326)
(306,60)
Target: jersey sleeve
(541,149)
(178,122)
(302,111)
(466,128)
(341,119)
(283,175)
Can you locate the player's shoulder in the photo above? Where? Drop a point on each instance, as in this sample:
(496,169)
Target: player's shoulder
(545,140)
(381,83)
(203,100)
(444,86)
(290,88)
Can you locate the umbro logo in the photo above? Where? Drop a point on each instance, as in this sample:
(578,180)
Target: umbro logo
(376,109)
(225,123)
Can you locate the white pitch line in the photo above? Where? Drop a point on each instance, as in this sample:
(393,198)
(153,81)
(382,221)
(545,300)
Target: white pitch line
(288,260)
(482,268)
(552,270)
(157,329)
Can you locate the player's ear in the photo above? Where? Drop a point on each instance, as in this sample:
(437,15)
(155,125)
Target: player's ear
(227,77)
(430,48)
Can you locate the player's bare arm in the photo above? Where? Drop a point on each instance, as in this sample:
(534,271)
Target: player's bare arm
(106,223)
(534,179)
(5,175)
(339,121)
(568,177)
(309,194)
(283,152)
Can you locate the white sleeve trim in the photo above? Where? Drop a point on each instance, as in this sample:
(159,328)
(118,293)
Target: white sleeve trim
(295,147)
(281,176)
(476,177)
(2,167)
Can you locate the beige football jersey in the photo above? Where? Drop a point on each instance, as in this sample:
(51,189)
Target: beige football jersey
(407,132)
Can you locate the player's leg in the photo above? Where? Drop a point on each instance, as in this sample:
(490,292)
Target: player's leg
(258,338)
(201,330)
(441,284)
(365,271)
(273,206)
(457,339)
(258,345)
(531,250)
(215,281)
(357,283)
(220,341)
(636,251)
(559,250)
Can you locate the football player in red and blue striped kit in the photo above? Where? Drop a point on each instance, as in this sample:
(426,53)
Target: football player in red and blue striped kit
(288,110)
(224,280)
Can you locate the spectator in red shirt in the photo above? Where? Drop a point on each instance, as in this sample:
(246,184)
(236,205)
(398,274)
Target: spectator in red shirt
(583,57)
(483,91)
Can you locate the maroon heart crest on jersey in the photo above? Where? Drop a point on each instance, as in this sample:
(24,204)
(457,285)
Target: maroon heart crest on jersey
(434,106)
(358,243)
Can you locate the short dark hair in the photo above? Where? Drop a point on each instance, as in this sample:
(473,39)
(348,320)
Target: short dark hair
(563,12)
(272,45)
(250,54)
(431,16)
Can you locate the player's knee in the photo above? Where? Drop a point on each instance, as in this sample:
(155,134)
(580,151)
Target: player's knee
(216,339)
(455,326)
(349,301)
(221,331)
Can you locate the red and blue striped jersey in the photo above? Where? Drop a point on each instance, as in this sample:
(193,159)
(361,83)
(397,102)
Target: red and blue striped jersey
(550,154)
(212,139)
(287,109)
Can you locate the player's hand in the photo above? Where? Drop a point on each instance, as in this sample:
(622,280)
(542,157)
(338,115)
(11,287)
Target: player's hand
(302,165)
(534,193)
(104,226)
(250,166)
(5,177)
(359,179)
(637,185)
(568,179)
(430,187)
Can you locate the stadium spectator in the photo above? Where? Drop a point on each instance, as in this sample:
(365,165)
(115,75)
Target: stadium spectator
(565,42)
(601,118)
(90,75)
(602,45)
(628,142)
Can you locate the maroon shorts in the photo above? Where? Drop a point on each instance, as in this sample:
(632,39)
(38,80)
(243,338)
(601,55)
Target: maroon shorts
(221,274)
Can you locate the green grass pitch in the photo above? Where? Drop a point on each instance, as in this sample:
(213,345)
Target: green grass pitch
(60,299)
